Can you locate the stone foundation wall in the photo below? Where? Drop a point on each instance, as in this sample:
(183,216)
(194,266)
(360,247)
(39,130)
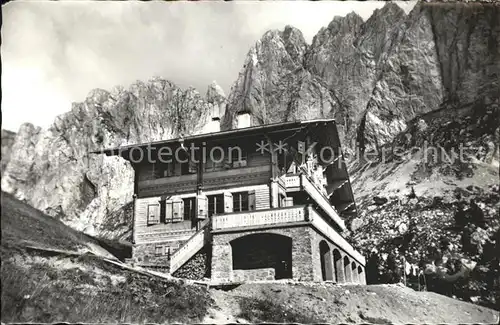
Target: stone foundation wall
(198,267)
(254,275)
(147,253)
(302,269)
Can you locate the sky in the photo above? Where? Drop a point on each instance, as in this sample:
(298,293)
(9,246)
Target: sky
(55,52)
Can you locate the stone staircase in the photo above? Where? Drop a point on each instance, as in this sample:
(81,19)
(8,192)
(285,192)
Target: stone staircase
(191,247)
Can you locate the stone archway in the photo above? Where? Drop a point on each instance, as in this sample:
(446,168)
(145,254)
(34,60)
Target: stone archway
(339,268)
(326,261)
(347,269)
(354,272)
(361,275)
(263,251)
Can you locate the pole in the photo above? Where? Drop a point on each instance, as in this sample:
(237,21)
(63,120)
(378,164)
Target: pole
(404,269)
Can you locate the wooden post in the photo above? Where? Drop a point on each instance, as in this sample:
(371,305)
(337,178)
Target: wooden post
(199,185)
(404,269)
(133,217)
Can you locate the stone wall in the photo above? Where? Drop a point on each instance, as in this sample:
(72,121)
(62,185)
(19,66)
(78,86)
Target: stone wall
(253,275)
(148,254)
(222,266)
(198,267)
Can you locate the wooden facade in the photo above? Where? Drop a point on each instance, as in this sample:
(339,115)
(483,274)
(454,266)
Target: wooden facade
(258,174)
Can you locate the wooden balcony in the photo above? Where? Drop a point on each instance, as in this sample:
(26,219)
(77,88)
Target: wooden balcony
(211,180)
(266,217)
(304,183)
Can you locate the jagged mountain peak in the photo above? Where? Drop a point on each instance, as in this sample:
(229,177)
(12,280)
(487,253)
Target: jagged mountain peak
(345,23)
(290,39)
(389,11)
(274,85)
(97,96)
(215,93)
(292,34)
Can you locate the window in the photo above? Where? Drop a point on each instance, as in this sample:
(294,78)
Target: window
(240,201)
(153,214)
(215,204)
(238,157)
(158,250)
(163,210)
(215,159)
(161,170)
(189,208)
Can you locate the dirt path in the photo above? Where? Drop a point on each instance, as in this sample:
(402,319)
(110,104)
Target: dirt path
(380,304)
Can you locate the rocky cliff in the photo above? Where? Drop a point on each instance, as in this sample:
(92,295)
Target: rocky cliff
(374,77)
(54,171)
(8,138)
(274,84)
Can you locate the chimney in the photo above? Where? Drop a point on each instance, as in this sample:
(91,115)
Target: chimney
(215,124)
(243,120)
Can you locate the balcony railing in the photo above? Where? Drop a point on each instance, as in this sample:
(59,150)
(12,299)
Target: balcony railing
(319,223)
(292,181)
(314,192)
(259,217)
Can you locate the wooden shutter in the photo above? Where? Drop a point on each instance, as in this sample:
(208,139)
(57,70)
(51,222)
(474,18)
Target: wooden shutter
(202,206)
(228,202)
(169,210)
(153,214)
(177,210)
(251,200)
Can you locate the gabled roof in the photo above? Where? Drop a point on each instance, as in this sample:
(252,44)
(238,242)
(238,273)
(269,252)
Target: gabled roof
(267,128)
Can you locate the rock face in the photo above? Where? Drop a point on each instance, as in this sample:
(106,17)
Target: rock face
(275,86)
(373,76)
(54,171)
(8,138)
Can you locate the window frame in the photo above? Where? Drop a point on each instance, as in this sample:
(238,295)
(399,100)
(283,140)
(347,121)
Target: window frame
(240,198)
(216,202)
(189,208)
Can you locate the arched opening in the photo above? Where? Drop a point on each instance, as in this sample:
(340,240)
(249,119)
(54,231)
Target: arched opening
(326,261)
(361,275)
(354,272)
(339,268)
(347,269)
(262,251)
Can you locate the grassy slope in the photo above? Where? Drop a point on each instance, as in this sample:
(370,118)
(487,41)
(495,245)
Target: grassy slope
(40,288)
